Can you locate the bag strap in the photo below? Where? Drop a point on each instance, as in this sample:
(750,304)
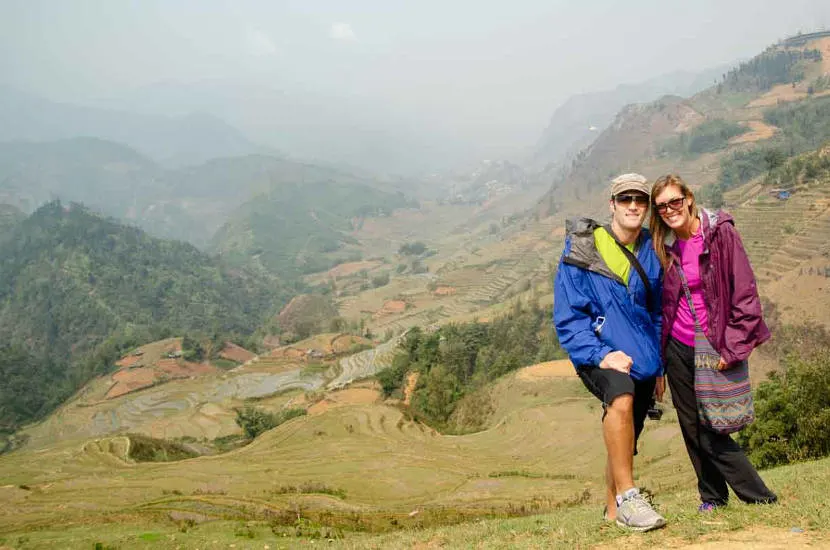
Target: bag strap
(635,263)
(698,327)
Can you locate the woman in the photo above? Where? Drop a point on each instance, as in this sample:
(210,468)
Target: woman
(706,246)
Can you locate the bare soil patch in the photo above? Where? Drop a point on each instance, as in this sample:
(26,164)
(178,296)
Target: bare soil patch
(759,538)
(351,396)
(391,307)
(755,537)
(444,291)
(758,131)
(778,94)
(562,368)
(232,352)
(128,361)
(129,380)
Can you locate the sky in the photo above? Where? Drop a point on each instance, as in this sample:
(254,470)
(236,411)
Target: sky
(493,72)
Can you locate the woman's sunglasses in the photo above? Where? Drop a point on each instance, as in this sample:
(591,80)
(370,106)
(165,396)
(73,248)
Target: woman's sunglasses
(674,204)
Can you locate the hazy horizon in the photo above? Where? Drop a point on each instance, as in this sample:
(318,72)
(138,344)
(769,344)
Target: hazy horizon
(486,78)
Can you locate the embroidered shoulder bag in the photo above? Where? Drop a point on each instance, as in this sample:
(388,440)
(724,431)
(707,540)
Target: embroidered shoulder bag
(724,397)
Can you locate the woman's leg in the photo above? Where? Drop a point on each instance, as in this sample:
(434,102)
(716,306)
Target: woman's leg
(680,370)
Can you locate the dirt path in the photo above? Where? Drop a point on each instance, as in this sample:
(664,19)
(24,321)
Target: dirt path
(755,537)
(411,383)
(760,538)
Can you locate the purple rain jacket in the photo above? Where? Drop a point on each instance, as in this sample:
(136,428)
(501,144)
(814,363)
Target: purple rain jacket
(736,325)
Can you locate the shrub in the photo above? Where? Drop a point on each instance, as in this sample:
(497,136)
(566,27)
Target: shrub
(792,413)
(254,421)
(148,449)
(380,280)
(412,249)
(711,135)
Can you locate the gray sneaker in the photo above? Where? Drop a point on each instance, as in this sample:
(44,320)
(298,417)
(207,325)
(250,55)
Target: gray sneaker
(636,514)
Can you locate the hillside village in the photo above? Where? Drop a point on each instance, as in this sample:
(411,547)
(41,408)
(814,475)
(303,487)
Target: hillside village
(373,369)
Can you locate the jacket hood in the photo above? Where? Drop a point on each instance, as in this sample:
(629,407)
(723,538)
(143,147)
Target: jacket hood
(581,249)
(710,222)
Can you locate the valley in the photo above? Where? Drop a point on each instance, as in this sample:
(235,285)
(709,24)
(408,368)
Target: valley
(304,285)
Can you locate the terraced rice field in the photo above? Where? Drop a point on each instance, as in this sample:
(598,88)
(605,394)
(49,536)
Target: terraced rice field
(781,235)
(364,364)
(543,449)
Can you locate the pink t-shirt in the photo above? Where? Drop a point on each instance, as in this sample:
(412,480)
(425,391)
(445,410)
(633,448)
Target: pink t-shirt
(683,328)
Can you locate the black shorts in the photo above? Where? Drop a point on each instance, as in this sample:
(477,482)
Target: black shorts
(608,384)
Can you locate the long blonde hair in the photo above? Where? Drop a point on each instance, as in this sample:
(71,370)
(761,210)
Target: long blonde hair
(656,225)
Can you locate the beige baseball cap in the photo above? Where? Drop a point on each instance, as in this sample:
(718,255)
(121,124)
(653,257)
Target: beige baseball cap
(630,182)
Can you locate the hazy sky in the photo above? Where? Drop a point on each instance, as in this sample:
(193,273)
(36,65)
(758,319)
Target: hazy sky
(494,70)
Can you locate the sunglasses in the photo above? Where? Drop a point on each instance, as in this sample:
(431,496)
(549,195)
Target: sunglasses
(674,204)
(622,200)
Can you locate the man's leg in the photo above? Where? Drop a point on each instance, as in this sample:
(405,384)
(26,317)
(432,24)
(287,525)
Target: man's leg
(618,429)
(610,491)
(617,392)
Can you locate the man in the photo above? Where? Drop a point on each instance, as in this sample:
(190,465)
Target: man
(608,320)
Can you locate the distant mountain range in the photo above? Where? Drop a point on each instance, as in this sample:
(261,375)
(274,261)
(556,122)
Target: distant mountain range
(581,119)
(324,129)
(189,138)
(267,207)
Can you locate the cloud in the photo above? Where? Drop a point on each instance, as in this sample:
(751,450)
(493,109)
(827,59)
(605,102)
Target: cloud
(260,44)
(342,31)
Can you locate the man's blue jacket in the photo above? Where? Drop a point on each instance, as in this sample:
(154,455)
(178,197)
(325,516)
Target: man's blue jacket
(595,313)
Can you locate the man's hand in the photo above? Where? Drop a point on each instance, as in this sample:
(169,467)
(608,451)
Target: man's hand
(617,360)
(660,388)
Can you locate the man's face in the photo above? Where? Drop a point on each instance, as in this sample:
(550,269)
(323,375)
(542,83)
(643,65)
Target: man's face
(628,209)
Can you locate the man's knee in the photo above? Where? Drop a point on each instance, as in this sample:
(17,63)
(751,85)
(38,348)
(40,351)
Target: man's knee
(623,403)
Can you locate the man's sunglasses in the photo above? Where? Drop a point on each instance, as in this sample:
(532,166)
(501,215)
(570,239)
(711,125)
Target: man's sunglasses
(622,200)
(674,204)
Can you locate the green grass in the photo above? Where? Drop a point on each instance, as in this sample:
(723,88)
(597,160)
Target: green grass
(803,489)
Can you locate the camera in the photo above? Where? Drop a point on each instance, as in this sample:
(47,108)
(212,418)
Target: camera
(654,412)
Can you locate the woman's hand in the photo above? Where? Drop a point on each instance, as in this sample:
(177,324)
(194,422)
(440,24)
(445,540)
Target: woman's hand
(722,364)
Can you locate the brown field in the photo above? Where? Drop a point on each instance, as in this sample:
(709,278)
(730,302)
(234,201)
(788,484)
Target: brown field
(236,353)
(342,398)
(562,368)
(391,307)
(758,131)
(444,291)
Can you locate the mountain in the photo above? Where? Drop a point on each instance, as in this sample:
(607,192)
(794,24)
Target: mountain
(100,173)
(295,228)
(323,128)
(582,118)
(75,288)
(188,203)
(718,136)
(189,138)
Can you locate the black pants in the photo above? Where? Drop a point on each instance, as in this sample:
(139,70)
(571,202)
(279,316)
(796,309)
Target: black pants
(716,458)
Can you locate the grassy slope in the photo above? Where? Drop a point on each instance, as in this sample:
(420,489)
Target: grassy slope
(542,452)
(802,488)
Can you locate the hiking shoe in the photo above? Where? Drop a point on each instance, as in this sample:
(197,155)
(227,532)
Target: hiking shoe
(706,507)
(636,514)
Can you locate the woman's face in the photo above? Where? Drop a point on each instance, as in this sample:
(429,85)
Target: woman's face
(673,207)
